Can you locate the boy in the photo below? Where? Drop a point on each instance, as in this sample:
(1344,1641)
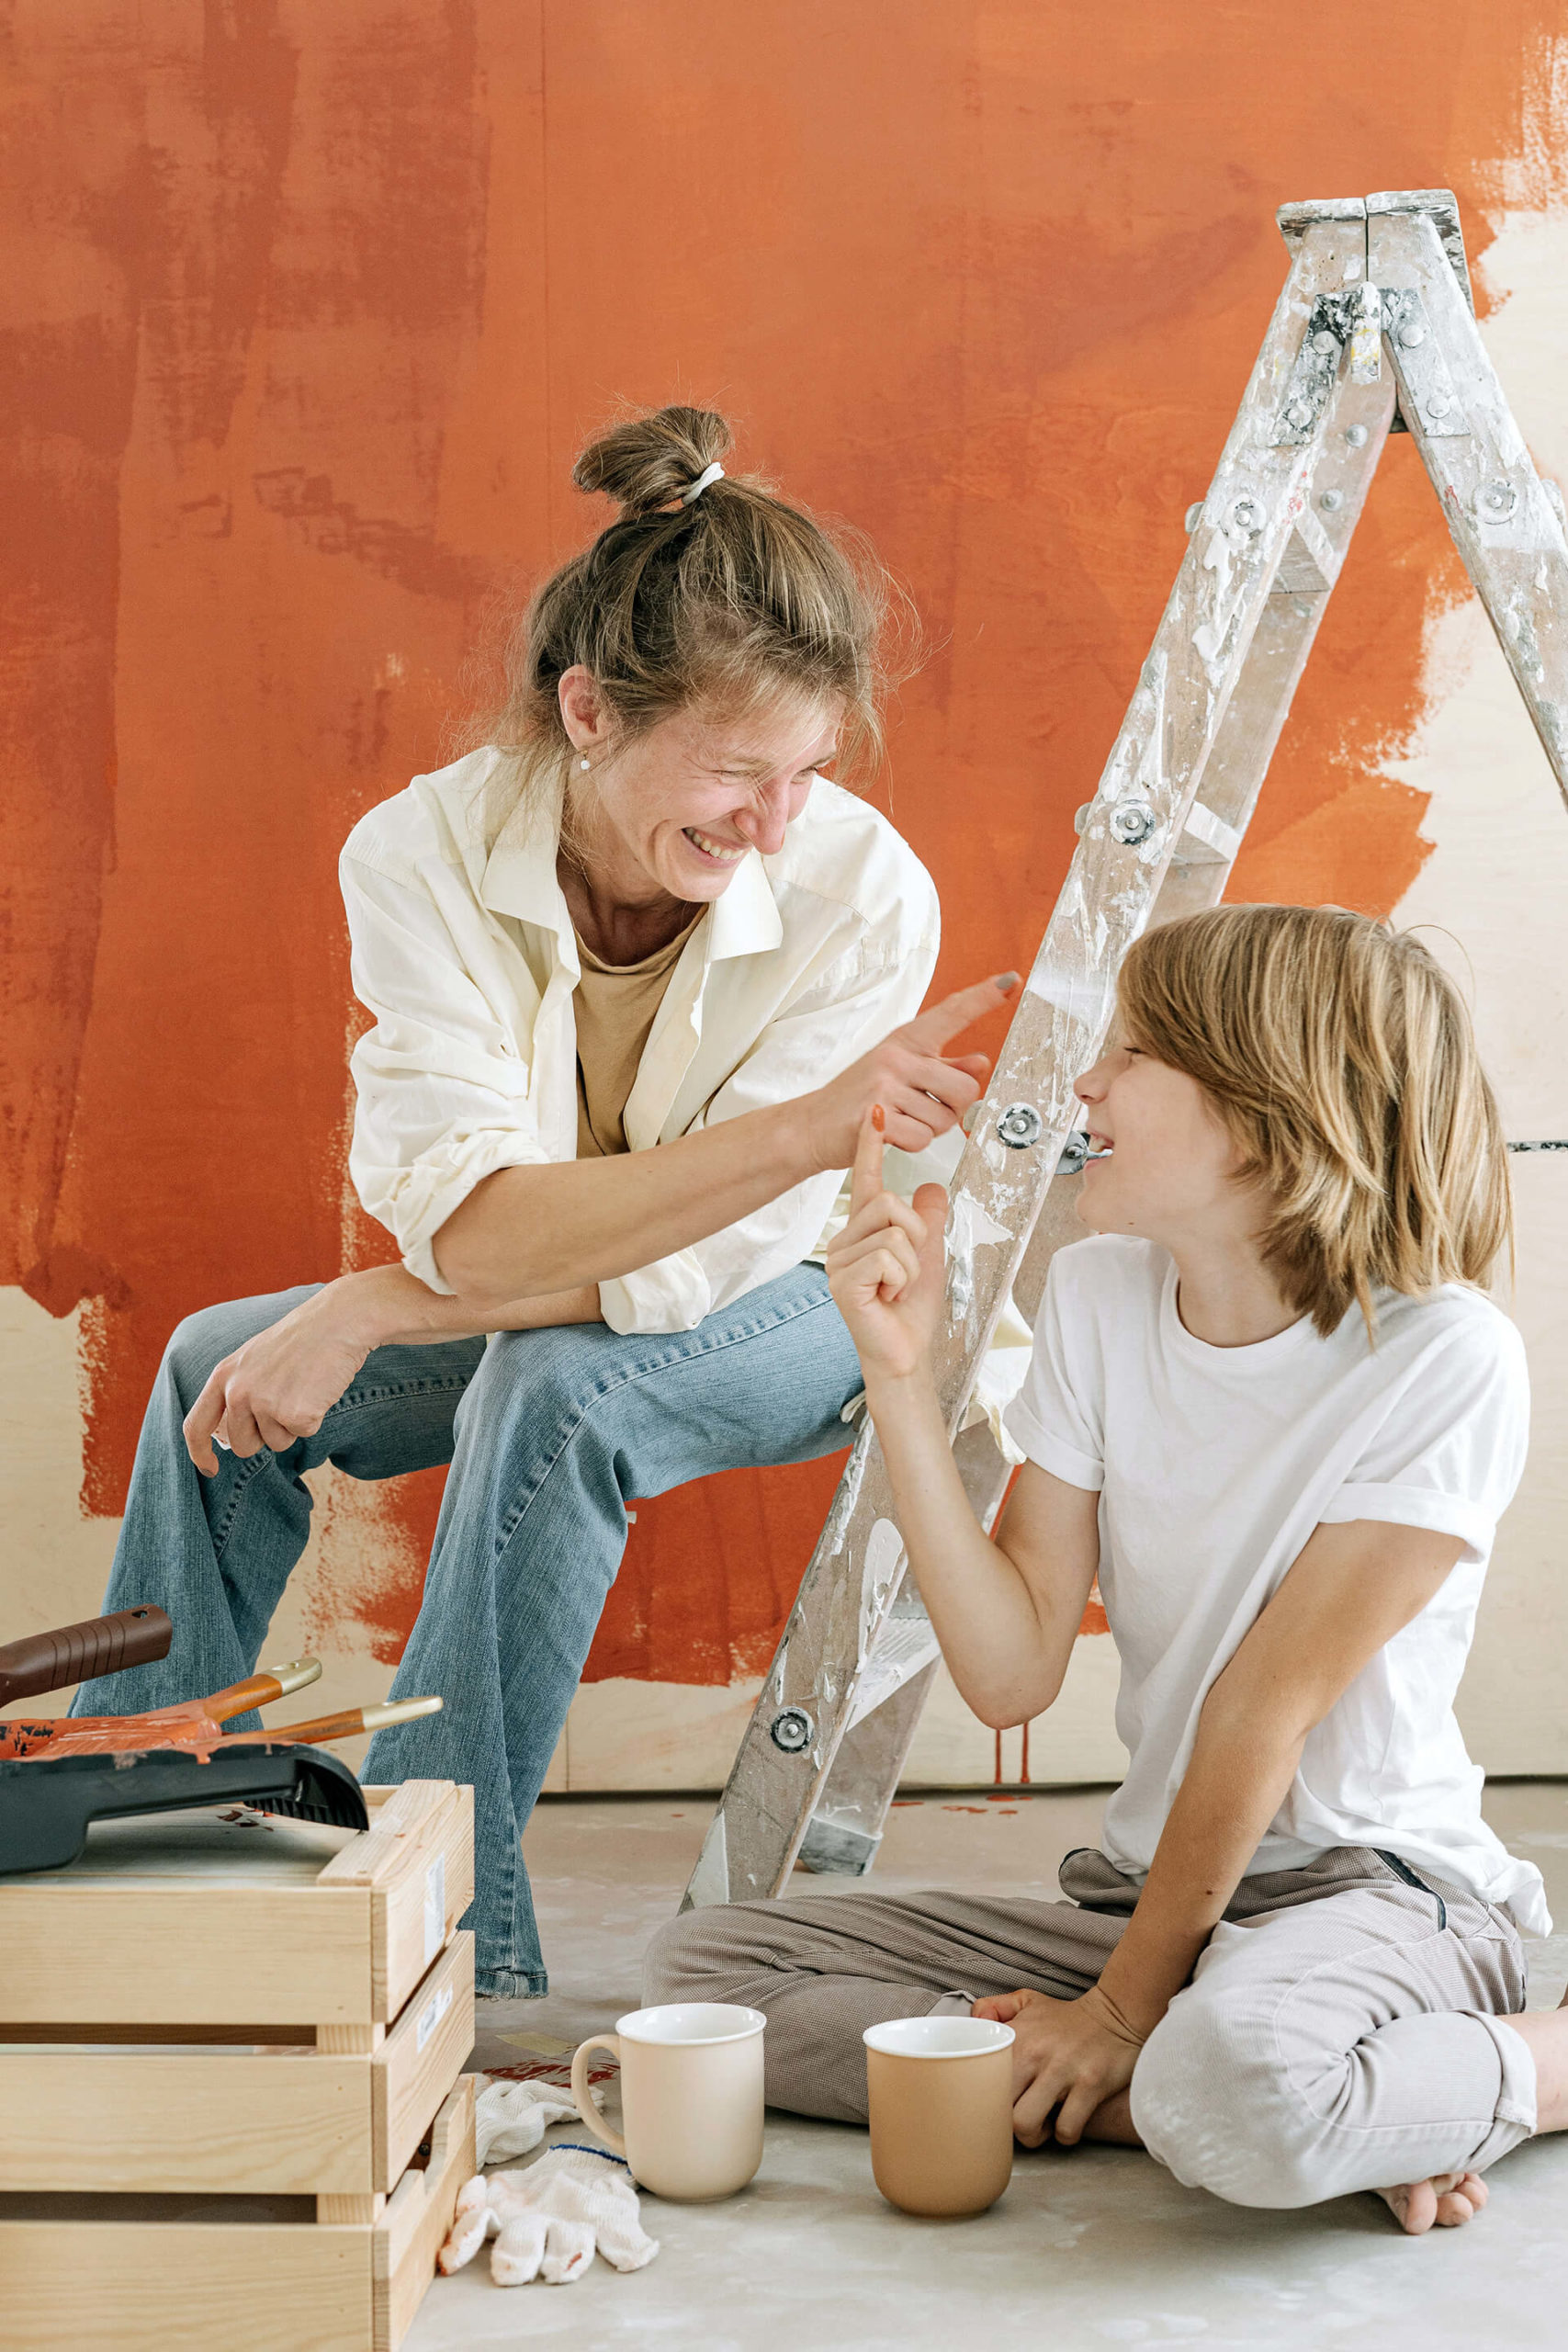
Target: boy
(1270,1406)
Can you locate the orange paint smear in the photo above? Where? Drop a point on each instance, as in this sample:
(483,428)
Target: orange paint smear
(311,310)
(185,1728)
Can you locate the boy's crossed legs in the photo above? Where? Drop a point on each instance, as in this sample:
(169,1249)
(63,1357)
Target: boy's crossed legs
(1342,2029)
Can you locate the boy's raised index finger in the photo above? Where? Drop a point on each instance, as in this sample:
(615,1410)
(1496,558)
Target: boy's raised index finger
(865,1177)
(940,1024)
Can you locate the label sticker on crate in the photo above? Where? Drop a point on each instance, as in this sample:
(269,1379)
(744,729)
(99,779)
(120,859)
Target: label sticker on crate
(436,2009)
(435,1909)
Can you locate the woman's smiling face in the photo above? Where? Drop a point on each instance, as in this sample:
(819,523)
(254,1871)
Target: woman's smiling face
(675,807)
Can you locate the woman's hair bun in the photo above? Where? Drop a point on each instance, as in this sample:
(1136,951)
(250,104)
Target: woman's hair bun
(649,461)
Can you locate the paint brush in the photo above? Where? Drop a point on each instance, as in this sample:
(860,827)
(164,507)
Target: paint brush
(194,1733)
(346,1726)
(260,1689)
(156,1727)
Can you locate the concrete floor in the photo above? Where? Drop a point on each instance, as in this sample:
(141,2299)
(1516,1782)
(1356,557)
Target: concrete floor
(1098,2246)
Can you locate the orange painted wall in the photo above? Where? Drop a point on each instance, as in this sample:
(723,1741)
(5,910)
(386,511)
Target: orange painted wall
(307,310)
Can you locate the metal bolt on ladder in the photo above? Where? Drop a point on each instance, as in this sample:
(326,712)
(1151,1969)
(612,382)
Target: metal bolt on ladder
(1373,333)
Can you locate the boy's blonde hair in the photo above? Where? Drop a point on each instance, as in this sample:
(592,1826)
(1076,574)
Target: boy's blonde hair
(1341,1059)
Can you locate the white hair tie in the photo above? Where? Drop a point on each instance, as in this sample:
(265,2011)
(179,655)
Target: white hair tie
(714,473)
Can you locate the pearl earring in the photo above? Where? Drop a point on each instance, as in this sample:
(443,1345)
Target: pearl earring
(583,765)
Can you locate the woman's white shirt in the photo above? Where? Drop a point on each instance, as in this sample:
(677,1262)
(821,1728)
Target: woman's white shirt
(463,950)
(1214,1466)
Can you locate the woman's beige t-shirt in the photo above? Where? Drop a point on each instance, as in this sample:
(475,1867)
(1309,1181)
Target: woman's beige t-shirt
(614,1006)
(464,958)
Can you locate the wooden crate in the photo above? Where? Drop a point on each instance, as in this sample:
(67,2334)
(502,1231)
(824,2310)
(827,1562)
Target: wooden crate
(215,2281)
(211,2008)
(208,1918)
(245,2118)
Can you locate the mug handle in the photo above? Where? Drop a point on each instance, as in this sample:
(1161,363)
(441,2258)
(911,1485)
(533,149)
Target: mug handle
(587,2105)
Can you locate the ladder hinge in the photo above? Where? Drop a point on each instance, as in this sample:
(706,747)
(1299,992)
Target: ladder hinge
(1335,320)
(1361,319)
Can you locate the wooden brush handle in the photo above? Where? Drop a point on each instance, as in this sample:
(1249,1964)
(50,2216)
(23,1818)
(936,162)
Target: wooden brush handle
(79,1653)
(260,1689)
(346,1726)
(341,1726)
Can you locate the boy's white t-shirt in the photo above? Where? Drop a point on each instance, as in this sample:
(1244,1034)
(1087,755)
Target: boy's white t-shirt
(1214,1466)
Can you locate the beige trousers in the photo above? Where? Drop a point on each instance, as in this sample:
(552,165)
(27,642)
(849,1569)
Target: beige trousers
(1340,2030)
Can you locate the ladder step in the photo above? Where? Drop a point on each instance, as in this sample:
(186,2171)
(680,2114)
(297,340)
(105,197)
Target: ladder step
(834,1849)
(905,1645)
(1206,840)
(1310,564)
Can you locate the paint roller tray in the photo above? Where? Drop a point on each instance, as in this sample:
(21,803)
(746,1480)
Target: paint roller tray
(47,1806)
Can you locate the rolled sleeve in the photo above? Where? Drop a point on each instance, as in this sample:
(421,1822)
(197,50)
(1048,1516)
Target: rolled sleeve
(442,1095)
(1442,1514)
(414,1203)
(675,1293)
(1450,1453)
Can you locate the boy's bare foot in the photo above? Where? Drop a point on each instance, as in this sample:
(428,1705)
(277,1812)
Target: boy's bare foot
(1442,2202)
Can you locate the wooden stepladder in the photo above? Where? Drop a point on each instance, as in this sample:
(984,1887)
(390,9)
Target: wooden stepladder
(1374,333)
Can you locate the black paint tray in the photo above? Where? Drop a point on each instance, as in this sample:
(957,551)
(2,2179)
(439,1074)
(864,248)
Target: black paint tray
(47,1806)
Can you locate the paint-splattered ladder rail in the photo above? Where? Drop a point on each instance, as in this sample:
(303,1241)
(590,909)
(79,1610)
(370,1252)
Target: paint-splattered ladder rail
(1374,332)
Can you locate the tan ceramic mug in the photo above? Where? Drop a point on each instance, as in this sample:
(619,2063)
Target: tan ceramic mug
(941,2091)
(691,2097)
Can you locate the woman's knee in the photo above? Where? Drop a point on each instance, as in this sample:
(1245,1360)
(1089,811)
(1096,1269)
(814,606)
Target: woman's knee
(198,1344)
(547,1379)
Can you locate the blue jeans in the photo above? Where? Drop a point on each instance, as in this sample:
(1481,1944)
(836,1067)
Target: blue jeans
(551,1434)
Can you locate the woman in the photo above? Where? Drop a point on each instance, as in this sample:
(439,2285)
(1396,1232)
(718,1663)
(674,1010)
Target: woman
(1271,1407)
(642,916)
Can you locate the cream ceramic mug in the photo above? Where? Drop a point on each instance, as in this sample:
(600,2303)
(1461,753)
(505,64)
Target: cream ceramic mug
(941,2092)
(691,2097)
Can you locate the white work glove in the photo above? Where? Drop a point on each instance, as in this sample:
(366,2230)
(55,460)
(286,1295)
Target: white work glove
(553,2217)
(510,2119)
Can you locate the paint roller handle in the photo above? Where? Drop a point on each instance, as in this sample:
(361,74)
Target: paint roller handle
(80,1652)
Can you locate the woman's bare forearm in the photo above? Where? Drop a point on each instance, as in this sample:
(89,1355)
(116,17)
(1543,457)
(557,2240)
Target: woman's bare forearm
(1007,1657)
(524,1231)
(388,1306)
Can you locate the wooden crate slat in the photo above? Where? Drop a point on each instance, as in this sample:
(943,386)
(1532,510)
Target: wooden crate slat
(184,1954)
(145,2121)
